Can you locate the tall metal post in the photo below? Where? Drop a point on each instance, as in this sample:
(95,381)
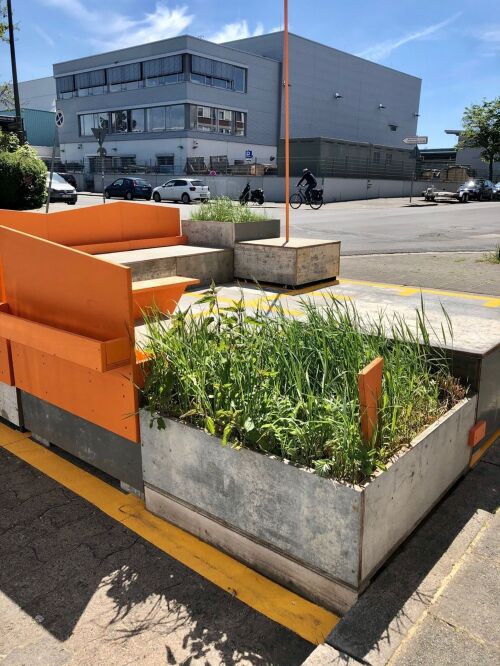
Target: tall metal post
(15,85)
(287,123)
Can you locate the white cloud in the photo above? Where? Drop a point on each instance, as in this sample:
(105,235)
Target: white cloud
(238,30)
(490,37)
(384,49)
(111,30)
(46,37)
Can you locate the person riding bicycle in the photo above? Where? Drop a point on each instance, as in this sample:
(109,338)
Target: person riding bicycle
(308,177)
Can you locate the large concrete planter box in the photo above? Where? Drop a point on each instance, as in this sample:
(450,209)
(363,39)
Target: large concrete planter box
(227,234)
(293,263)
(322,538)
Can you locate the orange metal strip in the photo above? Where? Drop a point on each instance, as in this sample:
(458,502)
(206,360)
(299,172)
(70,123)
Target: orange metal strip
(69,346)
(476,457)
(6,372)
(153,294)
(370,390)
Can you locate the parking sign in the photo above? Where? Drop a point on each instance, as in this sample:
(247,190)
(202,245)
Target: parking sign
(248,154)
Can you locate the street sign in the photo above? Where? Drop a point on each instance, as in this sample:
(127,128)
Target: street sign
(416,140)
(59,119)
(248,154)
(102,152)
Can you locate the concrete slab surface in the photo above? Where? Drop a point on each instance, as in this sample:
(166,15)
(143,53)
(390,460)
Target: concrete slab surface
(77,587)
(133,256)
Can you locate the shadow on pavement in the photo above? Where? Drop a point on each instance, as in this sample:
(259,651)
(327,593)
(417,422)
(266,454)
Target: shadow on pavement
(98,587)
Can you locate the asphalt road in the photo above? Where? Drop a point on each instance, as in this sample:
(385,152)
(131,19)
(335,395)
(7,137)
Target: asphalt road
(382,226)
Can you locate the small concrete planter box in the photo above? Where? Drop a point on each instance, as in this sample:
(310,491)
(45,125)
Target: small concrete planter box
(226,234)
(10,408)
(294,263)
(322,538)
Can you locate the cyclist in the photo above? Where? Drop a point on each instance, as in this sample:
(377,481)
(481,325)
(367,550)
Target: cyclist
(308,177)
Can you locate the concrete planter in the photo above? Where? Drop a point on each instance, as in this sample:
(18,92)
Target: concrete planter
(323,538)
(227,234)
(10,408)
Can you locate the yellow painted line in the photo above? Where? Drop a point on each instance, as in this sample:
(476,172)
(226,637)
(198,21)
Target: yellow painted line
(306,619)
(476,457)
(403,290)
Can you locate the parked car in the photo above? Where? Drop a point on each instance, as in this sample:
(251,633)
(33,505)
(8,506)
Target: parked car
(182,189)
(433,194)
(69,178)
(129,188)
(497,191)
(478,189)
(61,190)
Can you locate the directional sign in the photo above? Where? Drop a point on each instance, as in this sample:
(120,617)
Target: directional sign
(415,140)
(59,119)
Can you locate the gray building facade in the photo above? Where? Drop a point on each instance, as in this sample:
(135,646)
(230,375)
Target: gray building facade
(186,103)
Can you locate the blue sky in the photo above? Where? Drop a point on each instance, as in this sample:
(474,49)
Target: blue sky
(453,45)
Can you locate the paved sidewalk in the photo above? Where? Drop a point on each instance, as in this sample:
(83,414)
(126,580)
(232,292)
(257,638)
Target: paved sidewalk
(78,588)
(437,602)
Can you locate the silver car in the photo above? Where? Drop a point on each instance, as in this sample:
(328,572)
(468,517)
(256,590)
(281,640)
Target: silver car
(182,189)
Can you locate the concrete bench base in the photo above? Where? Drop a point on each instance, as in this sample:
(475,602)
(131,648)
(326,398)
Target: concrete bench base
(227,234)
(101,448)
(205,264)
(295,263)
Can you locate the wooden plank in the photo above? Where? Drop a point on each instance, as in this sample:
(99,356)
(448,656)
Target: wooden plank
(370,391)
(162,294)
(93,354)
(127,245)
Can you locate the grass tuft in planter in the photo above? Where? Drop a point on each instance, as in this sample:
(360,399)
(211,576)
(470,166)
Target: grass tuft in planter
(288,387)
(223,209)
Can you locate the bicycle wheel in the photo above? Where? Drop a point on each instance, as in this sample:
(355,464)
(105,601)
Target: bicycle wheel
(295,201)
(316,203)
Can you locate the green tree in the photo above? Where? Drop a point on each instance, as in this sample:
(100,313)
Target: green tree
(481,129)
(23,175)
(6,95)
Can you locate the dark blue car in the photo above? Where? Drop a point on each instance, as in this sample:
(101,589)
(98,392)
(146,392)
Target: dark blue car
(129,188)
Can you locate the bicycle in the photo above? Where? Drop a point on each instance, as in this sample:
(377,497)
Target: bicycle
(298,198)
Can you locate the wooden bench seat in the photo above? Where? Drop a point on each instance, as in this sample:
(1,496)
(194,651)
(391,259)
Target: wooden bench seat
(160,293)
(135,244)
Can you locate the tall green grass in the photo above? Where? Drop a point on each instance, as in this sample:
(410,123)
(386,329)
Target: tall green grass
(288,387)
(222,209)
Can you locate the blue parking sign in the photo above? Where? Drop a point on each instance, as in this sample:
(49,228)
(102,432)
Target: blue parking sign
(248,154)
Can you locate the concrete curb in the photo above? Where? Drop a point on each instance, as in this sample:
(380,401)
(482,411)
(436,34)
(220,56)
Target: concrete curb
(374,628)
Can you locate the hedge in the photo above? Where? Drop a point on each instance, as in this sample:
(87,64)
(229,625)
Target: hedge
(23,179)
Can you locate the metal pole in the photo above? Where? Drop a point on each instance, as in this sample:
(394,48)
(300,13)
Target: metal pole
(51,170)
(411,184)
(287,124)
(102,176)
(15,85)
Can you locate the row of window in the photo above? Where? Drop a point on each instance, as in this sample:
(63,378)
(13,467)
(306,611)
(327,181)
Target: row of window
(160,71)
(166,118)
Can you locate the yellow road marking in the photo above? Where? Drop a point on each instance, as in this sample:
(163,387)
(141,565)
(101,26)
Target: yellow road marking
(306,619)
(476,457)
(403,290)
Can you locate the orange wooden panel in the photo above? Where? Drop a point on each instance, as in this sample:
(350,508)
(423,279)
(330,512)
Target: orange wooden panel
(60,287)
(370,391)
(108,399)
(104,223)
(84,351)
(6,373)
(477,433)
(124,246)
(162,294)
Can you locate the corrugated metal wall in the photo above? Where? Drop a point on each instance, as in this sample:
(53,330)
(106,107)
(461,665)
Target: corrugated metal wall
(38,125)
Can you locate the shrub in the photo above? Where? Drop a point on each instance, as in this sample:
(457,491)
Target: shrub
(223,209)
(23,178)
(288,387)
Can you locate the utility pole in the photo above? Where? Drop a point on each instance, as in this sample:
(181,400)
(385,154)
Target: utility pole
(15,86)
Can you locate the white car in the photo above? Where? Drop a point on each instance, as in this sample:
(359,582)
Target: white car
(61,190)
(182,189)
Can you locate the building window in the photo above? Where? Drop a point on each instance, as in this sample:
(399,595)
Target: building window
(91,83)
(162,71)
(175,117)
(119,122)
(91,120)
(222,121)
(165,163)
(393,128)
(388,158)
(376,157)
(218,74)
(65,86)
(156,119)
(136,121)
(125,77)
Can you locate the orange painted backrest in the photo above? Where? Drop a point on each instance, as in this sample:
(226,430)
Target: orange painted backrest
(105,223)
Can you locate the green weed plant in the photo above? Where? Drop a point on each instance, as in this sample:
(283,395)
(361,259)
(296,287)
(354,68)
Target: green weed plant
(288,387)
(223,209)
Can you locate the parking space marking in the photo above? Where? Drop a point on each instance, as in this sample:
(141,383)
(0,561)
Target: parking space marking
(311,622)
